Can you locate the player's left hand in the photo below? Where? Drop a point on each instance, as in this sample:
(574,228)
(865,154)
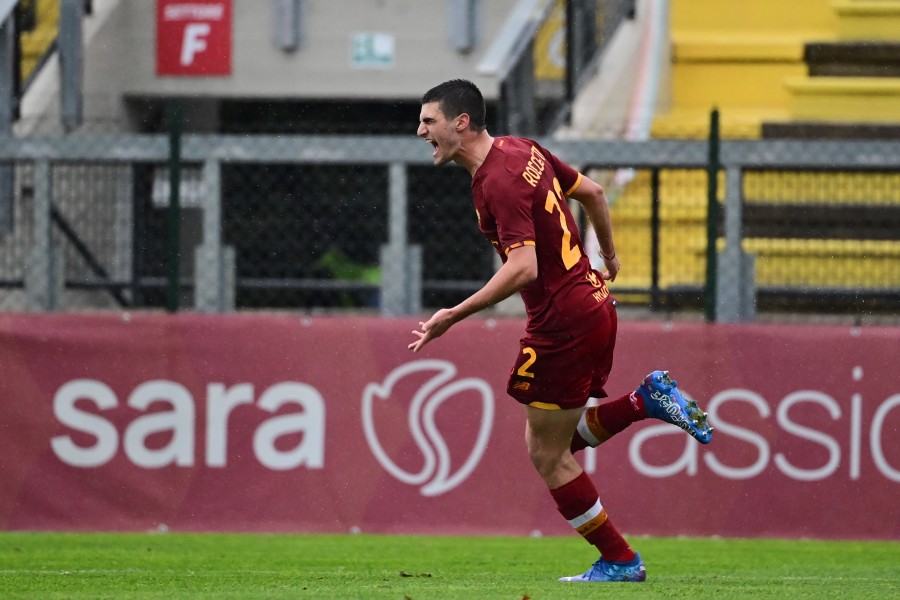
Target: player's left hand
(612,267)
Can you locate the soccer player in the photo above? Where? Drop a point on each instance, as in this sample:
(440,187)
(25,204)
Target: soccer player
(520,191)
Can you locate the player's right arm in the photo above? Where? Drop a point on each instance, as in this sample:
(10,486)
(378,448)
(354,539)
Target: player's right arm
(519,269)
(592,197)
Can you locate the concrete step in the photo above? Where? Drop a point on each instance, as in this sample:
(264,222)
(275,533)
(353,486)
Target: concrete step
(734,71)
(845,99)
(816,221)
(867,19)
(823,130)
(733,17)
(734,122)
(853,59)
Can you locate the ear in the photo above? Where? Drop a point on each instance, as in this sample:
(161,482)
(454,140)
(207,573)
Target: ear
(462,121)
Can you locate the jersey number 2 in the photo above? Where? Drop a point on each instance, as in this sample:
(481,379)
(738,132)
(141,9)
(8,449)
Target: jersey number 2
(570,254)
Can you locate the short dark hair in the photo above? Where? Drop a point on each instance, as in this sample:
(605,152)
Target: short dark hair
(456,97)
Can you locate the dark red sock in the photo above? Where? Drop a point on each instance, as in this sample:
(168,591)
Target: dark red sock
(599,423)
(621,412)
(579,503)
(611,543)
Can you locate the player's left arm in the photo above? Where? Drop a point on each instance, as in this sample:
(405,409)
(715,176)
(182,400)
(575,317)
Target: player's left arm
(519,270)
(592,197)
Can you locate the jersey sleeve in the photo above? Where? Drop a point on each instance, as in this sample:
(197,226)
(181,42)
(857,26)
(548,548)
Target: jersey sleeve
(568,177)
(510,204)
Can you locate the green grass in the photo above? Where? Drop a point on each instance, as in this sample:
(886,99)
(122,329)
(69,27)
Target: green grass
(176,566)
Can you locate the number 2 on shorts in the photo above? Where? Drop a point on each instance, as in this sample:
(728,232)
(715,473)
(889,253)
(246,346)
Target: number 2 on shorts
(532,356)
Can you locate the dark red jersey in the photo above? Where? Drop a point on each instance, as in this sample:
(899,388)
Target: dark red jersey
(520,199)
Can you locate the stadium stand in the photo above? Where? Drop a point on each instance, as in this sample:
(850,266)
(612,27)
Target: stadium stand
(821,70)
(826,69)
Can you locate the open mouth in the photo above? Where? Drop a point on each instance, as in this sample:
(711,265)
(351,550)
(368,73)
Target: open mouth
(433,145)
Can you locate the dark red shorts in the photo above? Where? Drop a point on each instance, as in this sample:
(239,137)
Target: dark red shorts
(564,371)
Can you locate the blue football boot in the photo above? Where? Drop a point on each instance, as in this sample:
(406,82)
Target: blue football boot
(663,401)
(604,570)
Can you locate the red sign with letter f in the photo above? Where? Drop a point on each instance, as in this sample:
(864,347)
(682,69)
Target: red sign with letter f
(193,37)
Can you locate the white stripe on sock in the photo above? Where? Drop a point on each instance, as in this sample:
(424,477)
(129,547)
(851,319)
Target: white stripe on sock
(592,512)
(585,432)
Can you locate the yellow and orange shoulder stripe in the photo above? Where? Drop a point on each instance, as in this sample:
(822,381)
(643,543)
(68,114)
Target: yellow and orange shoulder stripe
(519,245)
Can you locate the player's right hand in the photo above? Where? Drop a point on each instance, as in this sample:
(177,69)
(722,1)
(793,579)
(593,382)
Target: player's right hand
(435,327)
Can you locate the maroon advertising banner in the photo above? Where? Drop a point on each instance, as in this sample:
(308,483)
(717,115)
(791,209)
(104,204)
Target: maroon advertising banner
(296,424)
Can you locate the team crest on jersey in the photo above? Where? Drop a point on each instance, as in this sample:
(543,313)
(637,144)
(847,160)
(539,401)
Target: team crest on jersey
(601,294)
(595,281)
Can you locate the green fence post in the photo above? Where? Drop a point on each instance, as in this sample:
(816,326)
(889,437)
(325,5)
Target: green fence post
(654,239)
(712,214)
(173,262)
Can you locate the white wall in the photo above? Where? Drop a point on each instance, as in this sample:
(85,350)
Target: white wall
(122,58)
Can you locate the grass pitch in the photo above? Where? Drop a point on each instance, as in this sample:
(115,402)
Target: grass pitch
(49,565)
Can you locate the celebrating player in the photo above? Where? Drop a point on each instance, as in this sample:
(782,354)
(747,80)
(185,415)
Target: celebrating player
(520,191)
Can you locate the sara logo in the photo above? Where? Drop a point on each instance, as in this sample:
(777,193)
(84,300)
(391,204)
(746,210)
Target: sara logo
(434,477)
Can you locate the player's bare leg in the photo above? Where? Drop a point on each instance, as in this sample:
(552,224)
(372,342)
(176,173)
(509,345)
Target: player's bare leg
(548,434)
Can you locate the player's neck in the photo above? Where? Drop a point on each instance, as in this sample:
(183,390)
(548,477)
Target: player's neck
(474,151)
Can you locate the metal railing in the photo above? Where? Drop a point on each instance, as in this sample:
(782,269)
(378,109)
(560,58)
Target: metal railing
(365,222)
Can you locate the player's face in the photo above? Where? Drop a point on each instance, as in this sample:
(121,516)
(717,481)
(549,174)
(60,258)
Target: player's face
(440,132)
